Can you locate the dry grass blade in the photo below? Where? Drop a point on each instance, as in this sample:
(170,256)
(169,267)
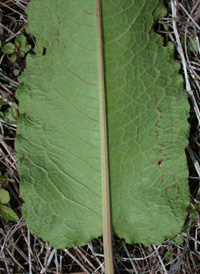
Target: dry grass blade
(77,261)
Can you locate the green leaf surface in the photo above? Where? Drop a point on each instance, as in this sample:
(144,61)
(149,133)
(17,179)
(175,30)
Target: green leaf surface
(11,115)
(193,44)
(24,49)
(13,58)
(4,196)
(58,140)
(8,213)
(8,48)
(20,41)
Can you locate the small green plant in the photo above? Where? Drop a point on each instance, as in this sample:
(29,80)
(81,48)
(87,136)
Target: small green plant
(7,113)
(168,257)
(178,240)
(5,211)
(4,180)
(19,48)
(194,210)
(193,44)
(11,115)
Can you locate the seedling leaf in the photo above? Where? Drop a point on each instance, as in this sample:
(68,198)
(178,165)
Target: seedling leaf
(20,41)
(4,196)
(25,49)
(13,58)
(8,213)
(8,48)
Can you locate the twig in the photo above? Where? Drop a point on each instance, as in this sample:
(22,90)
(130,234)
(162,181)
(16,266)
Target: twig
(7,29)
(196,242)
(133,265)
(56,261)
(142,258)
(8,7)
(90,246)
(5,262)
(77,261)
(101,266)
(161,261)
(191,18)
(10,80)
(176,266)
(84,257)
(13,258)
(29,251)
(194,161)
(48,261)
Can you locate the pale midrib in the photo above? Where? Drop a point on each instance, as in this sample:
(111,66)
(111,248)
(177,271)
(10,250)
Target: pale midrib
(106,208)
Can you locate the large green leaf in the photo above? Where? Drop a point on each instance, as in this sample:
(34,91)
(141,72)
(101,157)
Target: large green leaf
(59,128)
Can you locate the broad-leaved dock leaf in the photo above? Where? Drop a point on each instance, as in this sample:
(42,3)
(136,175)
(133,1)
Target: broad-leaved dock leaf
(58,140)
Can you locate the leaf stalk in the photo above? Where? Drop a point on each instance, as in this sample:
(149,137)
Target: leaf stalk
(106,207)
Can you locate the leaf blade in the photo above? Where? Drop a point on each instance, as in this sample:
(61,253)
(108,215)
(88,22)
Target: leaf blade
(73,152)
(63,180)
(7,213)
(146,139)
